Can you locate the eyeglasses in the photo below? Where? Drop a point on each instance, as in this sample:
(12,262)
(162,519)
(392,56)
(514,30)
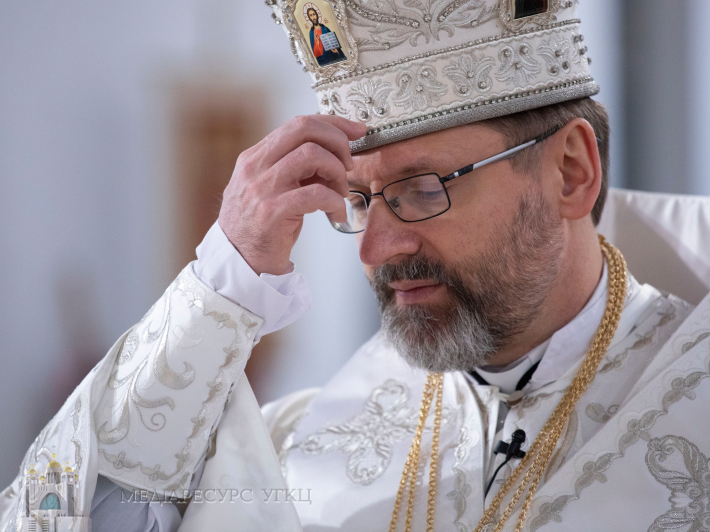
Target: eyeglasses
(420,197)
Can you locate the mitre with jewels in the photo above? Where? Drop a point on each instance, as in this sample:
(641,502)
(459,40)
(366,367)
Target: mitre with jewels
(410,67)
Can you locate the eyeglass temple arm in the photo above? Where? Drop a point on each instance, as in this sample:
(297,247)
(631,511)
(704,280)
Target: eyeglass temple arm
(508,154)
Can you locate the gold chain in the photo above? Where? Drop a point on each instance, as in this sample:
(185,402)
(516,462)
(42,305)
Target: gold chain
(434,387)
(538,456)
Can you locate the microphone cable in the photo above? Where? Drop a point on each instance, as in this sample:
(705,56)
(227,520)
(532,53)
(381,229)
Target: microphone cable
(511,450)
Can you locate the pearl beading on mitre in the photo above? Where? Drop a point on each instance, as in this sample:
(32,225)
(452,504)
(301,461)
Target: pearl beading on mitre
(465,114)
(477,104)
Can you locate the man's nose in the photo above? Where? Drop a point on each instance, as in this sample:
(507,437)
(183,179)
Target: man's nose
(386,238)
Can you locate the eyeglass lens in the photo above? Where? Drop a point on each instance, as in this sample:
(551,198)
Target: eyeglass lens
(412,199)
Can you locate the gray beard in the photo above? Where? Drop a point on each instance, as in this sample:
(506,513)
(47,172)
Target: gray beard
(461,343)
(490,300)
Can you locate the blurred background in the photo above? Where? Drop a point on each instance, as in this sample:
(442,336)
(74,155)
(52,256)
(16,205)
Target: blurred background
(120,123)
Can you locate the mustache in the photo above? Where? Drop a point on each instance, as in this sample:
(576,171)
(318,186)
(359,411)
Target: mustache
(413,269)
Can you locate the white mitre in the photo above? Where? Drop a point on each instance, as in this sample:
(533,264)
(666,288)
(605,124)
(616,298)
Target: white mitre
(410,67)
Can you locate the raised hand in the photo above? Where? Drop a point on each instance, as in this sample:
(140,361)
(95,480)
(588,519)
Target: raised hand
(299,168)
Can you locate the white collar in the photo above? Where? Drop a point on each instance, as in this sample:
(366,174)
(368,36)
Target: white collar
(507,377)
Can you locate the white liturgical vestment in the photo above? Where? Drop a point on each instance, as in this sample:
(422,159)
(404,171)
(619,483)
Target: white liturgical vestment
(169,409)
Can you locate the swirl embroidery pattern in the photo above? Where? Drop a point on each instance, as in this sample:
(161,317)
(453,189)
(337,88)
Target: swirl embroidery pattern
(172,380)
(165,375)
(368,439)
(612,363)
(462,489)
(471,73)
(597,413)
(390,25)
(332,101)
(556,53)
(76,421)
(517,65)
(636,429)
(370,97)
(679,465)
(419,90)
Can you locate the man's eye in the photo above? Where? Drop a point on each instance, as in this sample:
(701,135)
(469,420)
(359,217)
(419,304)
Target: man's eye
(357,204)
(394,202)
(430,195)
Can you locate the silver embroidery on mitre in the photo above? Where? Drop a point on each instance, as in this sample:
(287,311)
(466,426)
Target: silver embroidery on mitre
(331,101)
(370,98)
(368,439)
(679,465)
(517,65)
(390,25)
(556,51)
(471,74)
(419,90)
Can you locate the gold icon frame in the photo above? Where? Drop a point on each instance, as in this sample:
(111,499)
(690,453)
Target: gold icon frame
(292,19)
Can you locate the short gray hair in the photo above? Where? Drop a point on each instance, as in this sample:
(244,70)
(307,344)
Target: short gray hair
(526,125)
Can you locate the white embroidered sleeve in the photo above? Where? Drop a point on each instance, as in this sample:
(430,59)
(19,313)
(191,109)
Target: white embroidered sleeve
(278,299)
(169,384)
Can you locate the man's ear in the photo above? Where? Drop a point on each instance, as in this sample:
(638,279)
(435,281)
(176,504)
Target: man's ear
(579,166)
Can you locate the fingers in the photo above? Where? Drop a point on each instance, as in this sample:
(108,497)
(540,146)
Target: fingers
(354,130)
(330,132)
(300,168)
(312,198)
(310,161)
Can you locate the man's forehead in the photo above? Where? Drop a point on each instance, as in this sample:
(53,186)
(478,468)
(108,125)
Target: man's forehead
(388,166)
(434,152)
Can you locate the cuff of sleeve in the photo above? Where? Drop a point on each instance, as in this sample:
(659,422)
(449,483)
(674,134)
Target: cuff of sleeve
(278,299)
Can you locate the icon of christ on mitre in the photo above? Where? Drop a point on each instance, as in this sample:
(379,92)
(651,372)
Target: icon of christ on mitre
(324,42)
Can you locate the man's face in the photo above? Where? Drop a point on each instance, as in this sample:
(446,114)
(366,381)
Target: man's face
(457,288)
(313,16)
